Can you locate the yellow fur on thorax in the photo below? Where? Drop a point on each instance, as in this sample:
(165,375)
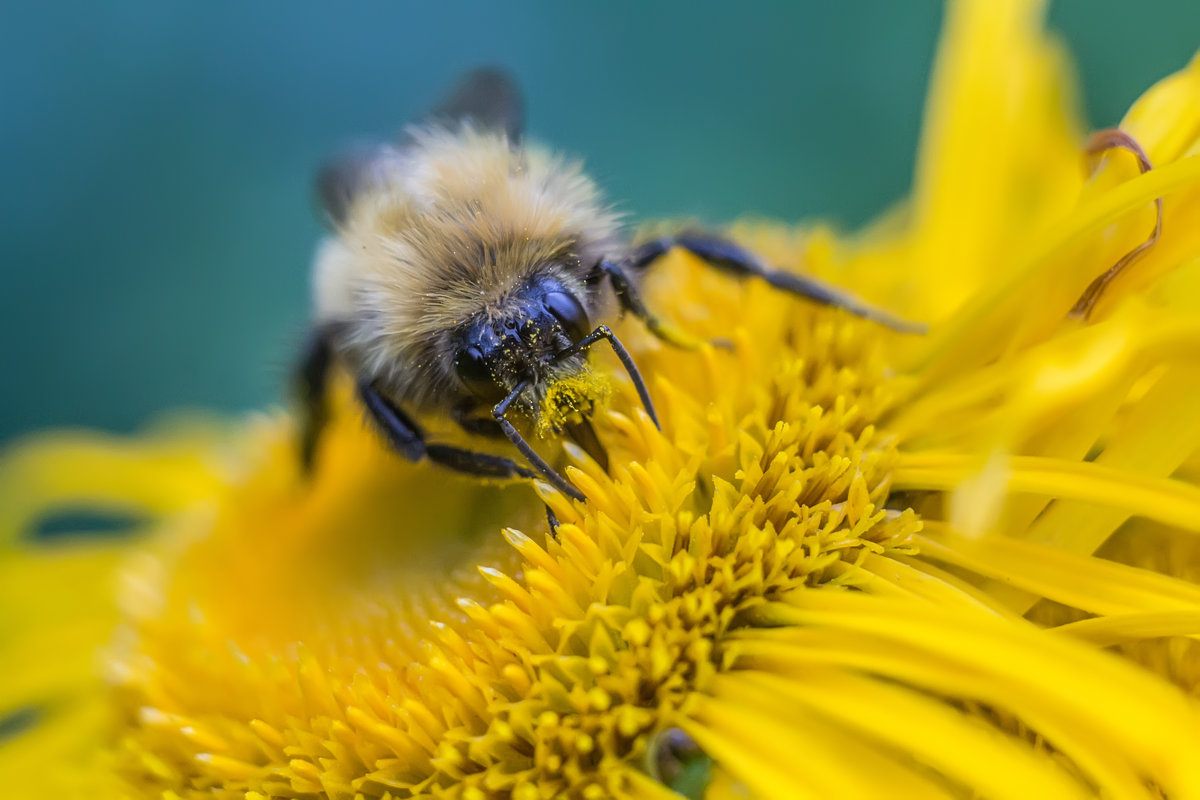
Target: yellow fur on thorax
(453,222)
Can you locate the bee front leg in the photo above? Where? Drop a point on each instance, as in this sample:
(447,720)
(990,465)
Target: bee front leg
(407,438)
(737,260)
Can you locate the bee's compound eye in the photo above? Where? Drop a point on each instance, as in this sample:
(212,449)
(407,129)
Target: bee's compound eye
(568,311)
(476,374)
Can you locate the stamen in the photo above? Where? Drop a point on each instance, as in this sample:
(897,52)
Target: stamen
(1099,142)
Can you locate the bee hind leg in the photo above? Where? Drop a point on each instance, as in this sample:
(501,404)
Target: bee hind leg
(407,439)
(737,260)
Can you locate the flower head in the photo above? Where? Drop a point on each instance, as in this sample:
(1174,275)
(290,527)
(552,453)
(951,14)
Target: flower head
(852,563)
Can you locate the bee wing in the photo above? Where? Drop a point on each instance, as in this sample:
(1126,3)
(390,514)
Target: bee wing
(341,180)
(487,97)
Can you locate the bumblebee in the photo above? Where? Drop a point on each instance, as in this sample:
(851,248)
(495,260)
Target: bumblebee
(467,274)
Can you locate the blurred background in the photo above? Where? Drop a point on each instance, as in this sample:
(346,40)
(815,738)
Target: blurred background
(156,223)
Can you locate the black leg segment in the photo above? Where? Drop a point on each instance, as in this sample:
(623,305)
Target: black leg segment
(604,332)
(466,419)
(500,410)
(737,260)
(406,438)
(631,301)
(514,436)
(552,521)
(310,388)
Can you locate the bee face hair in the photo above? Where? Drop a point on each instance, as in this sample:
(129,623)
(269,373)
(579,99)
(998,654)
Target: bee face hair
(445,235)
(525,339)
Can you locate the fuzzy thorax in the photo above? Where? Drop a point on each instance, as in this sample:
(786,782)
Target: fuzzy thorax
(445,229)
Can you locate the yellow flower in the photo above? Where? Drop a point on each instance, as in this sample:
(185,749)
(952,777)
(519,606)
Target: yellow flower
(852,564)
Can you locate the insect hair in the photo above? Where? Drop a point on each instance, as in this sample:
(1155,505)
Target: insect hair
(442,228)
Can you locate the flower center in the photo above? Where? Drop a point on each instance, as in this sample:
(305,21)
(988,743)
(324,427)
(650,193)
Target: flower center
(373,633)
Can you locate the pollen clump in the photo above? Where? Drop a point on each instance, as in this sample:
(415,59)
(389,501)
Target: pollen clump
(569,399)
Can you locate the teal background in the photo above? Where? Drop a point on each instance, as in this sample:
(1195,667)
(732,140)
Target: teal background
(155,216)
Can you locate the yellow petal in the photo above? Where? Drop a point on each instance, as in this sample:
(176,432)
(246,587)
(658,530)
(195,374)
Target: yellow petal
(1172,502)
(999,151)
(1037,570)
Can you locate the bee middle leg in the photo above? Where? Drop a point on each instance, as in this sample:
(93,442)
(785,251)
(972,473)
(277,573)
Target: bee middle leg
(465,418)
(407,438)
(631,301)
(310,387)
(737,260)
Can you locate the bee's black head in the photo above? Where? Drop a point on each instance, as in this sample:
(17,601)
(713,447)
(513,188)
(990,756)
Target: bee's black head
(520,341)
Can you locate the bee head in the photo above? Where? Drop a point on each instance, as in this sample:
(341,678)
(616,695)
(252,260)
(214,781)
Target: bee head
(523,340)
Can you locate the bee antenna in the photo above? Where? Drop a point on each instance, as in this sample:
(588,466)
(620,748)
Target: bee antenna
(514,436)
(604,332)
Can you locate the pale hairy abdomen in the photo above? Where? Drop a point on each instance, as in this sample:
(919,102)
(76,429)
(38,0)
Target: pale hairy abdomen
(443,230)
